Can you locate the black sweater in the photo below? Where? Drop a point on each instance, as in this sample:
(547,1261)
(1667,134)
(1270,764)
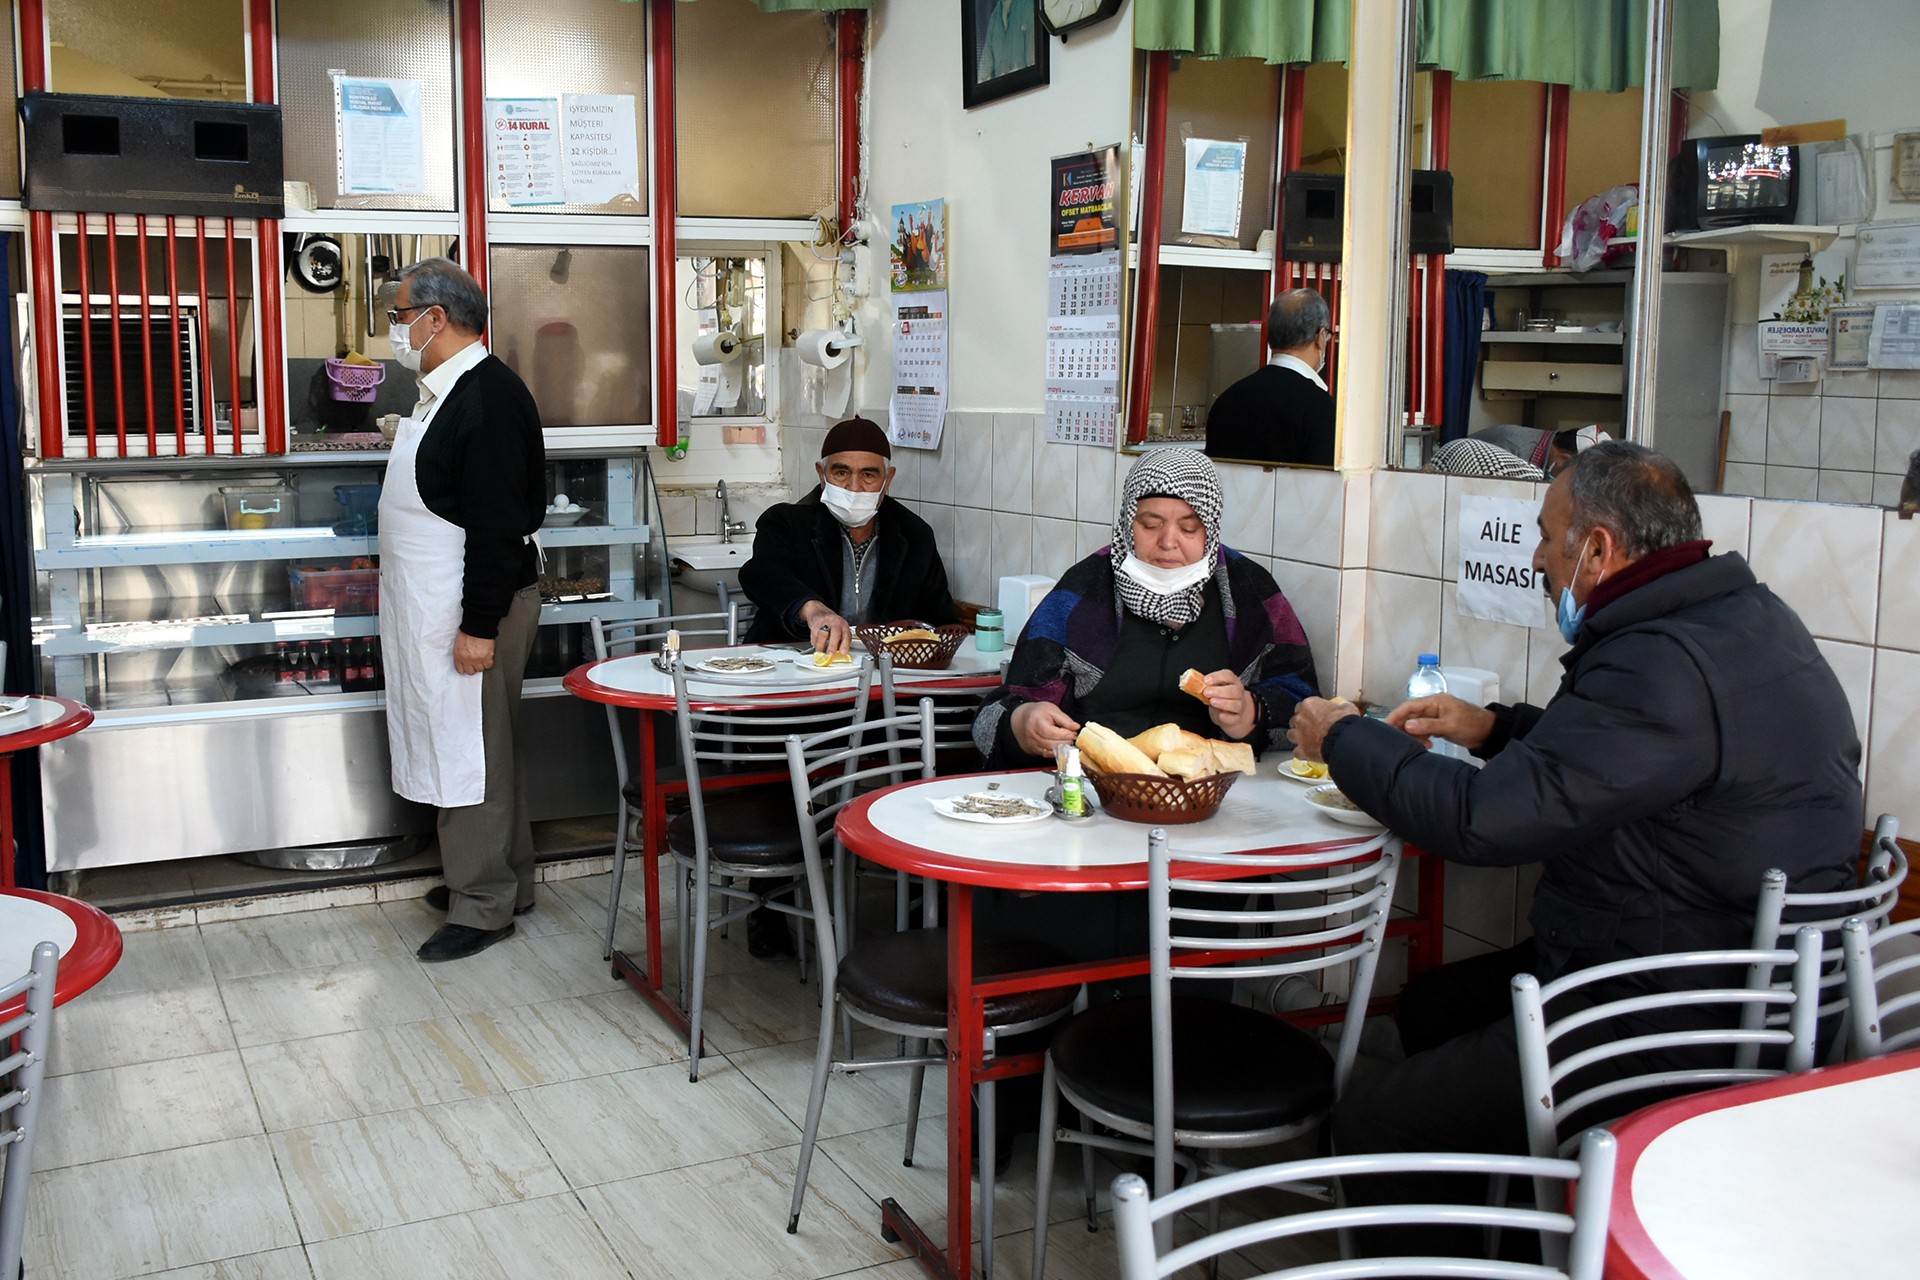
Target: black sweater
(482,466)
(1272,415)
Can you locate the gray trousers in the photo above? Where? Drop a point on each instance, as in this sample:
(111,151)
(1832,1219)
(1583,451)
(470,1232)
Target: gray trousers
(486,849)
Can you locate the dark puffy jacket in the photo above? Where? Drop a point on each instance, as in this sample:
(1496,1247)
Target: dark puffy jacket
(799,555)
(1697,739)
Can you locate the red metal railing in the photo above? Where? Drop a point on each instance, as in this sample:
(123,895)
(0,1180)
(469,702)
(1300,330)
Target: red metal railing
(850,31)
(1146,311)
(666,201)
(473,141)
(1293,123)
(1559,100)
(269,380)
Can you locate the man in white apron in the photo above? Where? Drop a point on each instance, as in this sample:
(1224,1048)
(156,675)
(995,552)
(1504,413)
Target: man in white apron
(459,601)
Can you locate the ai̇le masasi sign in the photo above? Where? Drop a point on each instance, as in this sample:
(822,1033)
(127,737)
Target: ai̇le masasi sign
(1497,578)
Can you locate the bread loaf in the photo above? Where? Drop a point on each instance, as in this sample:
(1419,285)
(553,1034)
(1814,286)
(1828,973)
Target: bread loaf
(1192,682)
(1105,751)
(1162,738)
(1188,763)
(1235,756)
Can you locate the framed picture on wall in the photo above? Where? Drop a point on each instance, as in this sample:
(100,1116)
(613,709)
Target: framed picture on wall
(1003,49)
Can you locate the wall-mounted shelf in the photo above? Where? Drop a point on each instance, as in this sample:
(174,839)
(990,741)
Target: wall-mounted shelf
(1548,337)
(1767,237)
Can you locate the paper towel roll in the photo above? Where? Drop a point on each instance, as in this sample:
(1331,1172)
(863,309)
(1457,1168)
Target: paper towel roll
(716,348)
(823,348)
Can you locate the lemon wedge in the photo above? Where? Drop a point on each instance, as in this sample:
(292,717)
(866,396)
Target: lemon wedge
(832,660)
(1307,768)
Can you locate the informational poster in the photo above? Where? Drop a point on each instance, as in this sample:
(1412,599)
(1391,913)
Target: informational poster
(1497,578)
(1905,184)
(379,147)
(918,253)
(1216,173)
(1848,331)
(1084,276)
(918,411)
(1895,343)
(1796,291)
(1887,256)
(601,146)
(523,136)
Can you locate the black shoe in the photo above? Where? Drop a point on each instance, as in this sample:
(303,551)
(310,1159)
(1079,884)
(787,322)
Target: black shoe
(440,898)
(458,941)
(768,935)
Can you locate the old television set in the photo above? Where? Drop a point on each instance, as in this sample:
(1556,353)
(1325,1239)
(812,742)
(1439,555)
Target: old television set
(1313,211)
(1732,181)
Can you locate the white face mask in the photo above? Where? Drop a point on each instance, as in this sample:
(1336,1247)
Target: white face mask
(400,338)
(851,507)
(1166,582)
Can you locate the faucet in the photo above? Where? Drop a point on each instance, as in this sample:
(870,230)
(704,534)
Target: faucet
(729,527)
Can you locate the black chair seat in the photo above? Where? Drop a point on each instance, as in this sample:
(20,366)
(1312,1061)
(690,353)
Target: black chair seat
(1233,1068)
(748,826)
(903,977)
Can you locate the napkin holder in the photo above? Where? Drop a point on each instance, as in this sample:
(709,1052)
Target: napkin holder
(1020,595)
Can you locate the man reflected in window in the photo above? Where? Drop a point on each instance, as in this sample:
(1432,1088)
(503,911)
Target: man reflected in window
(1283,412)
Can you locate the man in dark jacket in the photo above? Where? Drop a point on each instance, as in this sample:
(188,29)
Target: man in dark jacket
(1282,412)
(846,554)
(1697,739)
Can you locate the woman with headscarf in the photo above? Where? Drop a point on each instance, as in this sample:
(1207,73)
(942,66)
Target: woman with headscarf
(1110,641)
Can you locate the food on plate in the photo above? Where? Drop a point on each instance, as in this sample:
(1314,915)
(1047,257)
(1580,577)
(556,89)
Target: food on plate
(1105,751)
(832,660)
(997,805)
(1194,684)
(739,665)
(1331,797)
(911,633)
(1315,769)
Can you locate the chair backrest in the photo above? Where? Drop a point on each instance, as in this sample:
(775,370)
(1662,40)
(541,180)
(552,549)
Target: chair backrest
(1676,1029)
(740,615)
(751,734)
(1319,914)
(644,635)
(1582,1236)
(1780,915)
(1883,986)
(955,707)
(28,1032)
(828,770)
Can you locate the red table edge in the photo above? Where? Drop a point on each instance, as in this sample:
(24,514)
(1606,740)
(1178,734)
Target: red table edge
(1634,1134)
(96,948)
(581,684)
(78,716)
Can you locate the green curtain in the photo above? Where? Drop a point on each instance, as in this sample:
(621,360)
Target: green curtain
(1589,44)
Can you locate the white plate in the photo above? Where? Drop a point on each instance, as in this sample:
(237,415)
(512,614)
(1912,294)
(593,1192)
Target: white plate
(13,706)
(943,805)
(804,669)
(1287,773)
(1352,817)
(699,666)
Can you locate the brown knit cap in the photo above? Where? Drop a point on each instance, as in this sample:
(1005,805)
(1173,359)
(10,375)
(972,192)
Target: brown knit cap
(861,435)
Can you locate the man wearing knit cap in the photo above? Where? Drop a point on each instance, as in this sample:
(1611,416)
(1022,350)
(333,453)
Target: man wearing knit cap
(846,554)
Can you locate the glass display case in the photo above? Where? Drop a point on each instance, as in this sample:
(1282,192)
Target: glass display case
(221,617)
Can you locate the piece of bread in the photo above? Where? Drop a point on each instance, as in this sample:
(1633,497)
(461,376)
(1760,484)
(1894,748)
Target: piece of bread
(1188,763)
(911,633)
(1162,738)
(1105,751)
(1230,756)
(1194,684)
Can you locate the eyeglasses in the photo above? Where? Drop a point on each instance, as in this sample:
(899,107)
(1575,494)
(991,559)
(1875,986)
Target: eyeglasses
(393,313)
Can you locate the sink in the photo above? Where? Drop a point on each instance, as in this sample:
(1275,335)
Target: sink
(708,566)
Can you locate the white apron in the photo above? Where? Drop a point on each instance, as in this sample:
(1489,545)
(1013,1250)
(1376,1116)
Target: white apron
(433,712)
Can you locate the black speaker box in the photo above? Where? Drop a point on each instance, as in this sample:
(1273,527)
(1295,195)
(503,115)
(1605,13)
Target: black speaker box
(1313,208)
(89,154)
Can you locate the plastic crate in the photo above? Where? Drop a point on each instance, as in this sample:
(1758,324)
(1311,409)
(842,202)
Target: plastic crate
(258,507)
(345,591)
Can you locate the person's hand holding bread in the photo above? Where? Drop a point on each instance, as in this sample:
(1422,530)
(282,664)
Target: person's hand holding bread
(1229,704)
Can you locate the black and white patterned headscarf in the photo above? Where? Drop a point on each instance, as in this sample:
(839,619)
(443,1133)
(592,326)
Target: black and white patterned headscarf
(1469,457)
(1188,475)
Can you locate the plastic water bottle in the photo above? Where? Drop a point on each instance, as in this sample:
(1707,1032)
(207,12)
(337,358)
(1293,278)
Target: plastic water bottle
(1426,679)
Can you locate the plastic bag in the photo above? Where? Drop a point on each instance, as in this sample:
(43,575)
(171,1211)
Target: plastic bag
(1593,225)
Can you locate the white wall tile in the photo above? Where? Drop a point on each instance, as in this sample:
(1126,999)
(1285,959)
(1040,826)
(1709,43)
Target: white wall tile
(1350,634)
(1724,521)
(939,518)
(937,469)
(906,474)
(1793,431)
(1743,360)
(1853,666)
(1314,592)
(1056,479)
(970,571)
(1012,548)
(1499,647)
(1747,432)
(1013,462)
(1846,434)
(1091,537)
(1408,508)
(1307,514)
(1544,648)
(1899,622)
(1356,520)
(1055,544)
(1745,478)
(1886,489)
(973,465)
(1900,384)
(1897,434)
(1846,486)
(1817,559)
(1852,383)
(1403,622)
(1246,522)
(1893,769)
(1094,470)
(1795,484)
(1460,486)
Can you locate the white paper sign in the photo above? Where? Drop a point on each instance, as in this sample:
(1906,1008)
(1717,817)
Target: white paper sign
(1497,578)
(1895,343)
(602,148)
(524,146)
(918,411)
(377,135)
(1215,174)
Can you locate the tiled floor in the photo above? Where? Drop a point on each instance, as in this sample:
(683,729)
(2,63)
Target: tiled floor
(294,1096)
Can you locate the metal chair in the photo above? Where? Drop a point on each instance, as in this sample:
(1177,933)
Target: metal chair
(954,711)
(1582,1234)
(617,640)
(896,983)
(28,1032)
(1164,1071)
(752,835)
(1881,986)
(1781,914)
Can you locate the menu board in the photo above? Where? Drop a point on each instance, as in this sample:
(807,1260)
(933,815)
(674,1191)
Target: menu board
(1084,275)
